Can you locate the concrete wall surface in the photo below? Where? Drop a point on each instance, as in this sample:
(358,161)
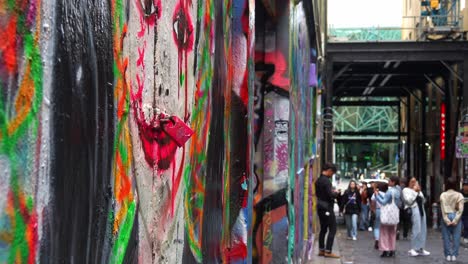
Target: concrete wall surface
(149,131)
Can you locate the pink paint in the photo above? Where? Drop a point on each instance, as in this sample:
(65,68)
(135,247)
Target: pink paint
(282,156)
(182,27)
(31,17)
(149,14)
(280,75)
(141,56)
(182,33)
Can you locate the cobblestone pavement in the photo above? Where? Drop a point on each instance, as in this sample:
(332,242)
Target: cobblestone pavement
(362,251)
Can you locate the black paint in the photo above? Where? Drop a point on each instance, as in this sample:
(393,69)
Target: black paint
(212,208)
(83,133)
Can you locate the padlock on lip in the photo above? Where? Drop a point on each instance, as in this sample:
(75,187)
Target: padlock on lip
(177,130)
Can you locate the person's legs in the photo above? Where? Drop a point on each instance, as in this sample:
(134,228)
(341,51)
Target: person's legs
(354,227)
(384,238)
(423,232)
(323,228)
(392,237)
(416,230)
(456,238)
(465,226)
(348,223)
(363,224)
(331,232)
(446,239)
(377,224)
(406,225)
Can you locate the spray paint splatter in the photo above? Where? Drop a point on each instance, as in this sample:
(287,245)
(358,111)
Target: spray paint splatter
(20,126)
(194,176)
(125,206)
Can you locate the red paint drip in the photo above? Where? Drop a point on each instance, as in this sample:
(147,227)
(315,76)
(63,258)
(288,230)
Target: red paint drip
(237,252)
(149,14)
(32,237)
(176,181)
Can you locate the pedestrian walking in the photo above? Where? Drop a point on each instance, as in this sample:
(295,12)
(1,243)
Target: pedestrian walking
(325,204)
(364,216)
(405,218)
(370,191)
(387,237)
(451,204)
(351,209)
(414,199)
(465,212)
(382,188)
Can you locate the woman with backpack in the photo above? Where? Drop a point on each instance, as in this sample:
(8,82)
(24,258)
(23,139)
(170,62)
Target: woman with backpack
(414,199)
(387,239)
(351,208)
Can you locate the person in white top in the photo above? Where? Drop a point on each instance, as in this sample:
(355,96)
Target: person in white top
(451,205)
(413,198)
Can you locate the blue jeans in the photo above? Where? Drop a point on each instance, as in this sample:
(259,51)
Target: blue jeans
(451,234)
(377,224)
(419,230)
(351,224)
(364,223)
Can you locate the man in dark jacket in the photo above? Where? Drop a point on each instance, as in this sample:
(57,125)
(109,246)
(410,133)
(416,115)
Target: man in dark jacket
(325,202)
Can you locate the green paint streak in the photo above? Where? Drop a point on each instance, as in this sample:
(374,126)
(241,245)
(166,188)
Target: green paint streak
(123,153)
(26,131)
(11,5)
(194,199)
(181,79)
(120,246)
(116,70)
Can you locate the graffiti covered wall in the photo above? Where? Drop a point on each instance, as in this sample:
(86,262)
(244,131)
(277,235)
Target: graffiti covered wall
(149,131)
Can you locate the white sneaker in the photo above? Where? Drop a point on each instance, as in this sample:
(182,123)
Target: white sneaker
(413,253)
(449,258)
(354,238)
(370,229)
(454,258)
(423,252)
(465,240)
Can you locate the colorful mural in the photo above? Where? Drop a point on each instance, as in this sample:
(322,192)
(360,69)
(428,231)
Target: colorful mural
(21,85)
(149,131)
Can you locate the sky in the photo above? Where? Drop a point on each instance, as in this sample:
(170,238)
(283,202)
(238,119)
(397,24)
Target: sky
(364,13)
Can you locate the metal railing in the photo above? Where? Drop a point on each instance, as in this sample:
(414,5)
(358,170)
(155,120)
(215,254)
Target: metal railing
(413,28)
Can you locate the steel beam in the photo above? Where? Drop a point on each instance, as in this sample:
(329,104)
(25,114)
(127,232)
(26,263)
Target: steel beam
(441,90)
(328,135)
(452,71)
(423,159)
(369,133)
(400,51)
(366,103)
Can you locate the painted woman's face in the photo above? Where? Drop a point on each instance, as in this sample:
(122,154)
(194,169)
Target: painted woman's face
(159,74)
(159,43)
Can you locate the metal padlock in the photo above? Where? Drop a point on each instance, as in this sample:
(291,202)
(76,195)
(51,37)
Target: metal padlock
(177,130)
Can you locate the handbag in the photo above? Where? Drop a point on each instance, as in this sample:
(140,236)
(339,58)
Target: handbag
(389,213)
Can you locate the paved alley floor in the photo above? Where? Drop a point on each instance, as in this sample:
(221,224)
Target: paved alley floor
(362,251)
